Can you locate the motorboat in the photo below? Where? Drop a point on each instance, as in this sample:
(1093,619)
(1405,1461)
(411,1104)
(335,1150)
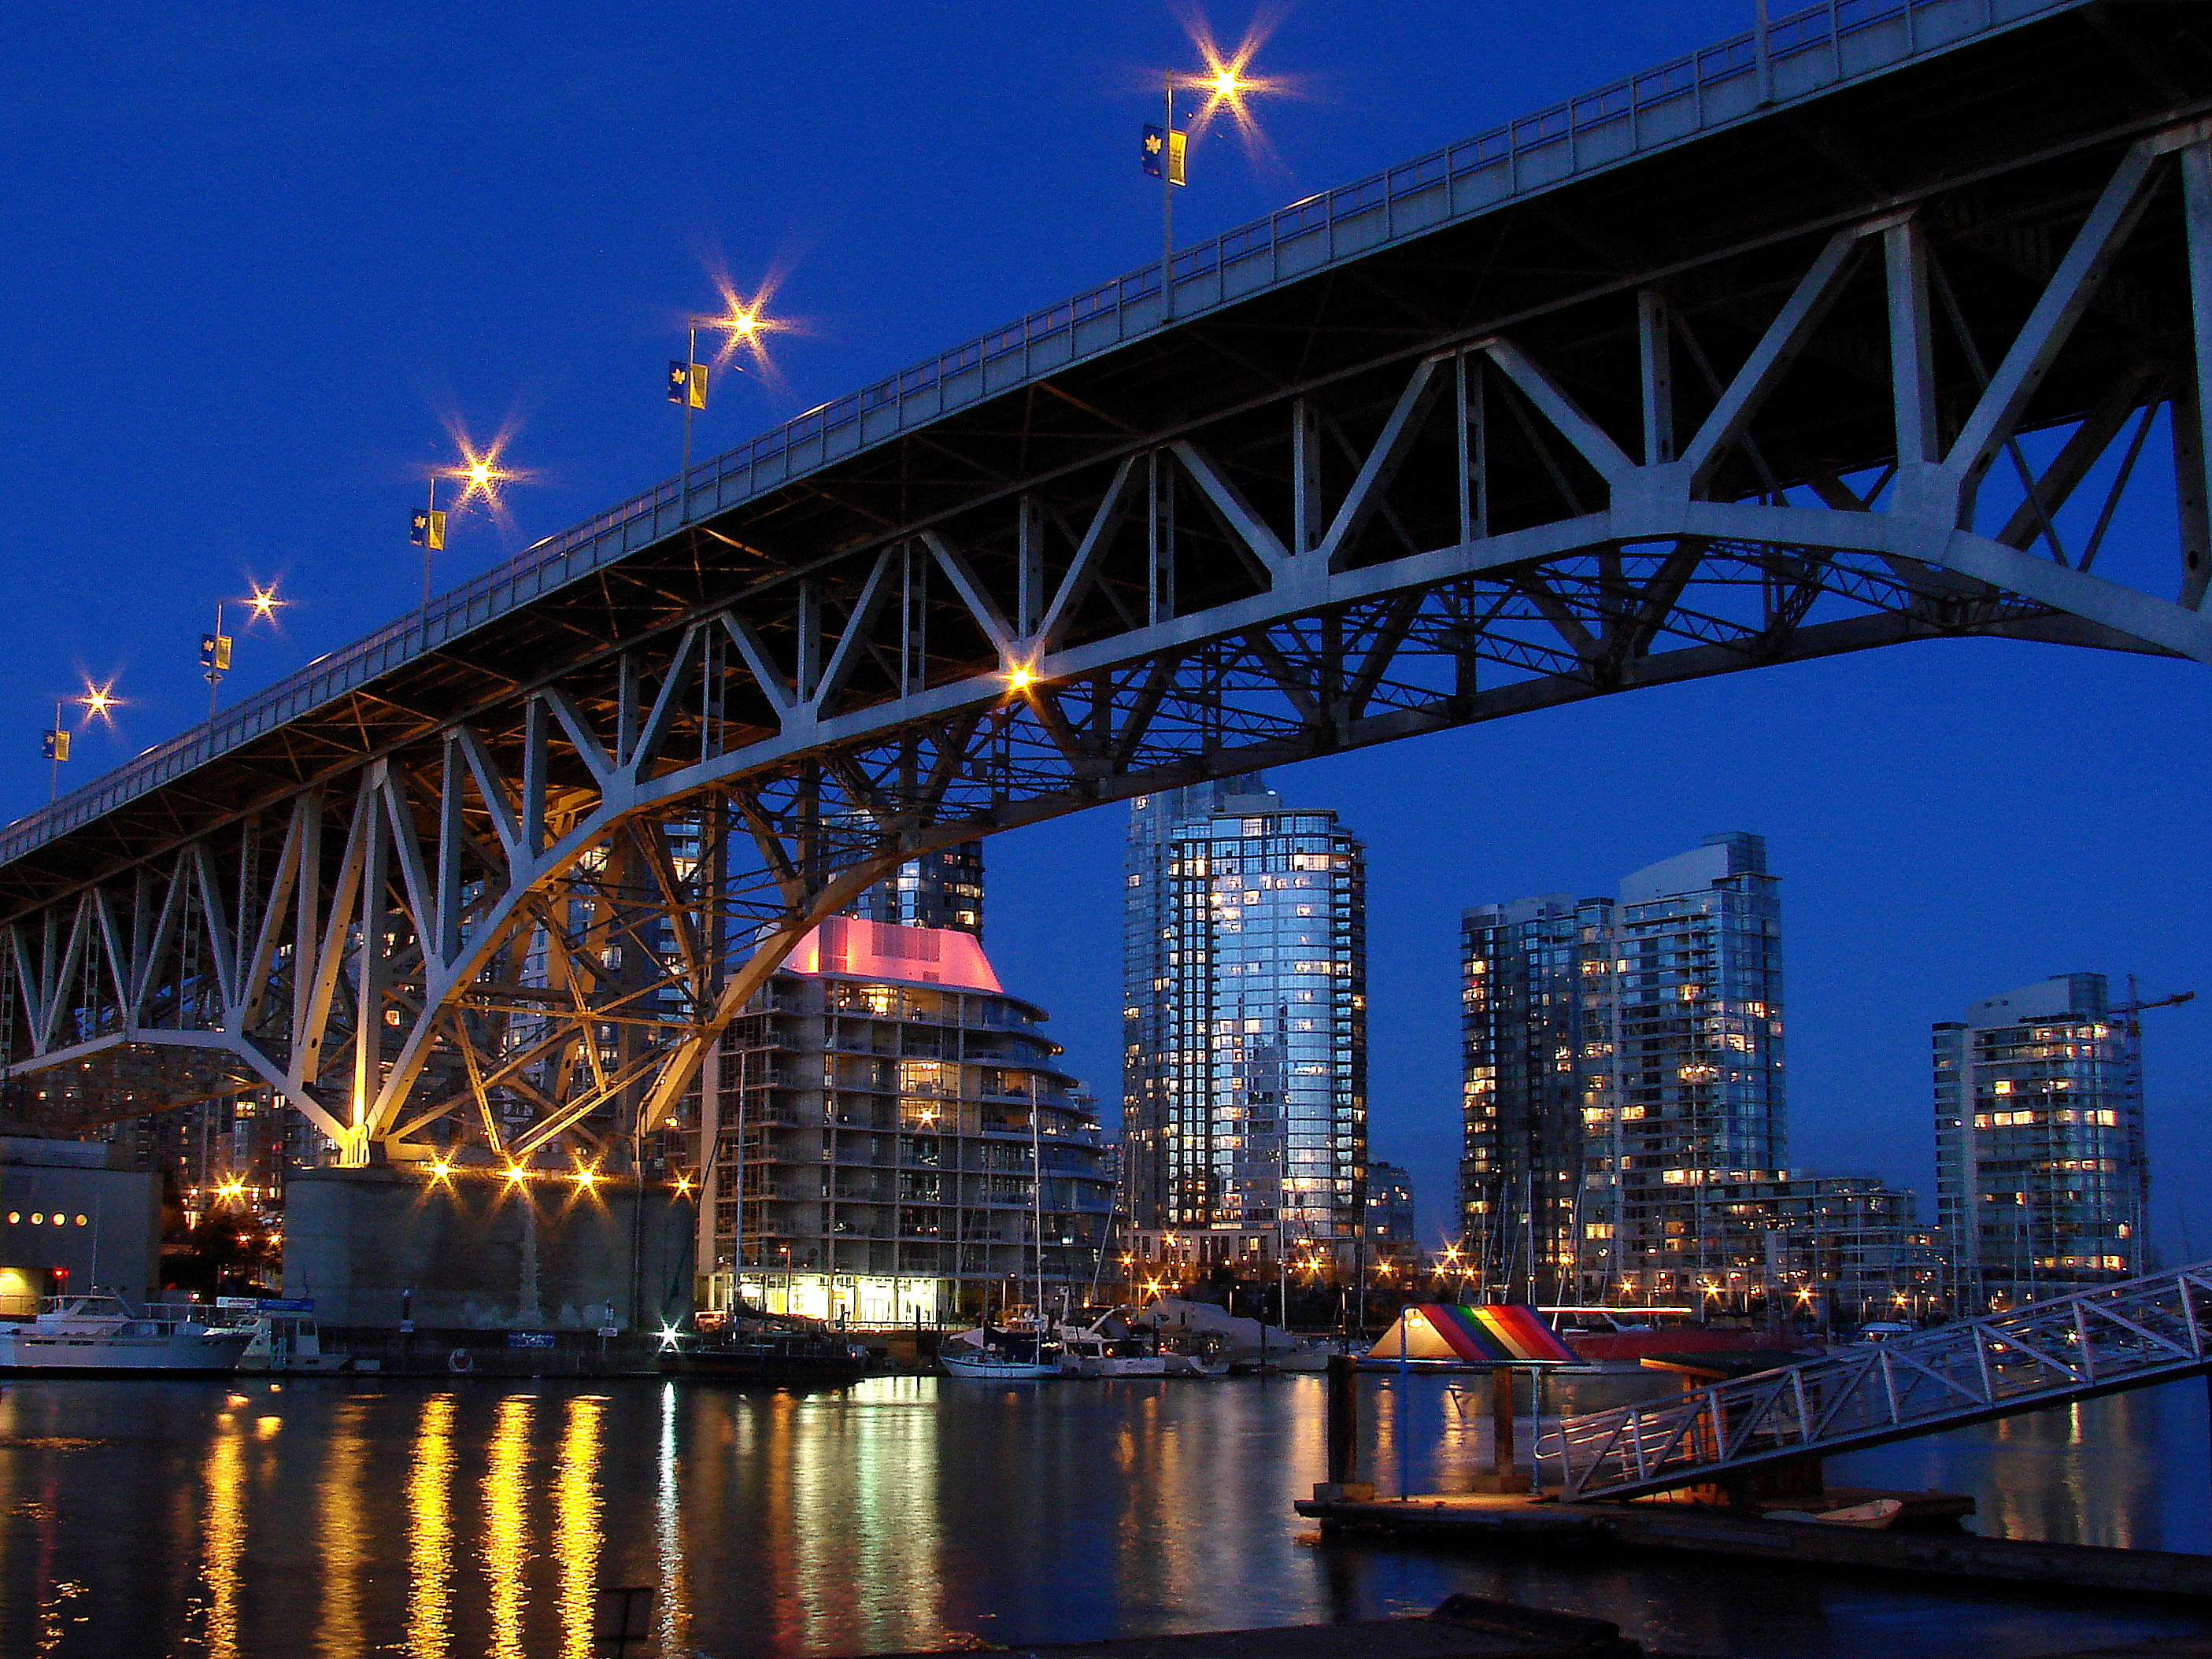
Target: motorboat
(99,1333)
(1117,1342)
(770,1355)
(285,1336)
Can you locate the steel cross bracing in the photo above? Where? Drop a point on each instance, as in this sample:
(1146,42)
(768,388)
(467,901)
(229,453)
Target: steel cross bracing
(517,920)
(2147,1330)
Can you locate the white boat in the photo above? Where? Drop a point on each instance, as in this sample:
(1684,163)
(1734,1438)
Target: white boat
(1093,1356)
(1114,1344)
(1313,1354)
(101,1332)
(1020,1350)
(283,1336)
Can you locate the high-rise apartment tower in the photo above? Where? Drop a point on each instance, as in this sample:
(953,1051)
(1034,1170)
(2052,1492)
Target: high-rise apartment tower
(1616,1051)
(2041,1181)
(1244,1086)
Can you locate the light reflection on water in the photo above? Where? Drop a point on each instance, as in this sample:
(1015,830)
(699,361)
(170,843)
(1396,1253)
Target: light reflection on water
(430,1532)
(506,1550)
(155,1518)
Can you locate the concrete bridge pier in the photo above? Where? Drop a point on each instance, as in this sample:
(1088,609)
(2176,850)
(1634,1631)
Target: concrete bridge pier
(462,1251)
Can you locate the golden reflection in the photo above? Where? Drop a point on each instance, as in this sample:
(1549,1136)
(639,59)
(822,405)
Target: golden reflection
(430,1517)
(507,1522)
(226,1538)
(576,1522)
(344,1551)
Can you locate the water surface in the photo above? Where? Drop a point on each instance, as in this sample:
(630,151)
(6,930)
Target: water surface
(327,1518)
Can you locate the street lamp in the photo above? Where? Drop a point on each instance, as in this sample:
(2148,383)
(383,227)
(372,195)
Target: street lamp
(741,323)
(1226,87)
(215,648)
(478,473)
(54,741)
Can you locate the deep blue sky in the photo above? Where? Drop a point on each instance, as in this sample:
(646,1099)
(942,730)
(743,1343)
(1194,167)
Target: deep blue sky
(257,255)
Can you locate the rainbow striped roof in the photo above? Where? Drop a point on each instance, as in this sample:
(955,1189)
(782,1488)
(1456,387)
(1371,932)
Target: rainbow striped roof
(1501,1333)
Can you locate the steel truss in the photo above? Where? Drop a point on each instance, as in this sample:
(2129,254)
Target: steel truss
(2149,1330)
(521,926)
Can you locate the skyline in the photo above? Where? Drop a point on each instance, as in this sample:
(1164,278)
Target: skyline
(315,414)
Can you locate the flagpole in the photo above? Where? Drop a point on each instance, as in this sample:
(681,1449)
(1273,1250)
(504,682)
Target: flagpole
(691,356)
(54,776)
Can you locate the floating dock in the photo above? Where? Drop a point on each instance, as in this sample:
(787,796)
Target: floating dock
(1480,1518)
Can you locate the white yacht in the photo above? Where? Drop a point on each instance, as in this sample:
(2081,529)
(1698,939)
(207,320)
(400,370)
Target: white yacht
(101,1332)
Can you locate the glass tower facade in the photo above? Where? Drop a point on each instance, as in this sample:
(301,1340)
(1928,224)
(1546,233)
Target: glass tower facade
(1617,1051)
(944,889)
(1244,1088)
(2042,1182)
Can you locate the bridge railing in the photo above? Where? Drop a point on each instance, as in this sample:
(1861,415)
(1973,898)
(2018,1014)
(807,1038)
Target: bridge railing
(2071,1347)
(1806,51)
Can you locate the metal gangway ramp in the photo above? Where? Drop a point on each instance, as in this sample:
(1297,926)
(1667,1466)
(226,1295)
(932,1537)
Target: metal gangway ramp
(2147,1330)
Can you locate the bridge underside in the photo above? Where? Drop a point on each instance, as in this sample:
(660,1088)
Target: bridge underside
(1863,373)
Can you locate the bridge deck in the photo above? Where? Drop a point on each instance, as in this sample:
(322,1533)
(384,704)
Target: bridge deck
(1810,54)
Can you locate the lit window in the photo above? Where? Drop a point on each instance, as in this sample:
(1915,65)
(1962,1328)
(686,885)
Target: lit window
(37,1220)
(81,1222)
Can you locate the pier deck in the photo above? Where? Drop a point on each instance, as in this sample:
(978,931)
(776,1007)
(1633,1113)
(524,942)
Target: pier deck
(1482,1517)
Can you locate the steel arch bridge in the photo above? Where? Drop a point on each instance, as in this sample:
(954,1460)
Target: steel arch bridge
(1852,337)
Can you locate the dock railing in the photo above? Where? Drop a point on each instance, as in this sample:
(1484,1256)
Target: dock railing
(2129,1335)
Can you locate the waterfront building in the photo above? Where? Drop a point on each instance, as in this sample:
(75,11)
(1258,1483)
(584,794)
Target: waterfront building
(2042,1183)
(75,1216)
(882,1112)
(1832,1250)
(1617,1049)
(1244,1095)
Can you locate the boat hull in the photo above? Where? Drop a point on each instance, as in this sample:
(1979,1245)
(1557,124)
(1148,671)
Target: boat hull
(26,1355)
(997,1370)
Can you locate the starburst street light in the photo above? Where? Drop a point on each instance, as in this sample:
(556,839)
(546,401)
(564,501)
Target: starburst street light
(1226,89)
(741,322)
(98,700)
(480,473)
(215,648)
(54,741)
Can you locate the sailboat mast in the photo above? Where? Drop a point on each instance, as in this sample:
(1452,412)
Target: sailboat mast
(1036,1211)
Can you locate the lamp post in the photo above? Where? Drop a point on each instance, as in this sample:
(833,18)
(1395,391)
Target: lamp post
(215,648)
(1224,85)
(54,741)
(479,473)
(687,381)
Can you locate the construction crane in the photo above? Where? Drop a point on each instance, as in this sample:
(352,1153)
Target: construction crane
(2136,1004)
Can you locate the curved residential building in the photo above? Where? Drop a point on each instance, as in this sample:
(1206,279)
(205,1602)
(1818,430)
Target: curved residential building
(872,1112)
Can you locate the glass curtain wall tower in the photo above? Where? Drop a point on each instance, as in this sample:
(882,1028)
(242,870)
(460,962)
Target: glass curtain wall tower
(2042,1182)
(1617,1051)
(1245,1082)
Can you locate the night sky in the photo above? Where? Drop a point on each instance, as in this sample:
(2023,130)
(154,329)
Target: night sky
(260,261)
